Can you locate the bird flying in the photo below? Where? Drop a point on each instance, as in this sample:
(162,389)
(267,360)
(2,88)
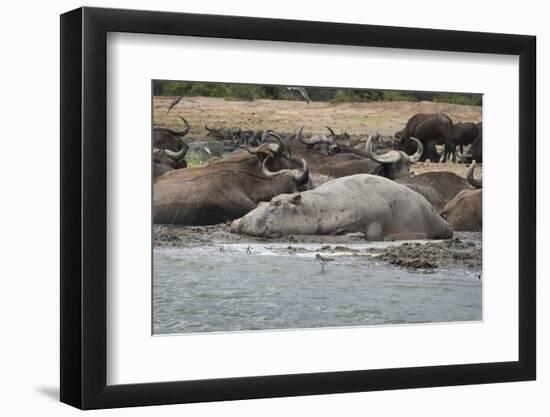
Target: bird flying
(173,104)
(302,91)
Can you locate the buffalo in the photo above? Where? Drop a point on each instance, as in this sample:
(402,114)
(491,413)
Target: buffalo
(464,212)
(169,149)
(431,129)
(437,187)
(235,135)
(373,205)
(475,153)
(464,134)
(229,188)
(338,137)
(349,161)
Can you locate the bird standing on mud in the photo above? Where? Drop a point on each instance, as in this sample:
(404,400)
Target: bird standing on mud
(323,260)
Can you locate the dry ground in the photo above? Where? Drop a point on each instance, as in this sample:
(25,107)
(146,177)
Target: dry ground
(358,119)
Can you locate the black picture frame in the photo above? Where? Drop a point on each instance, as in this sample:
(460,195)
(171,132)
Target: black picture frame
(84,207)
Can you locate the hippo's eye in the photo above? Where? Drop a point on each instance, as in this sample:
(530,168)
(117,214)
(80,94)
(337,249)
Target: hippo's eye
(277,203)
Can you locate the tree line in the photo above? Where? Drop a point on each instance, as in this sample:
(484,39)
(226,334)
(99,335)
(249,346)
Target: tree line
(251,92)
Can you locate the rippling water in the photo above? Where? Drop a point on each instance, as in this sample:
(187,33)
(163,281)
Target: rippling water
(206,289)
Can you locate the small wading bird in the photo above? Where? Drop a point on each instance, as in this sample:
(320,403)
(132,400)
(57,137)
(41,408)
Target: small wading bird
(323,260)
(302,91)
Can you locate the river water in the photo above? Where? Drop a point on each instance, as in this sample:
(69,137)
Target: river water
(261,286)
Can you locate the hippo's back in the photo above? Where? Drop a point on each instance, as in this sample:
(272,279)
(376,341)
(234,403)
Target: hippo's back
(393,209)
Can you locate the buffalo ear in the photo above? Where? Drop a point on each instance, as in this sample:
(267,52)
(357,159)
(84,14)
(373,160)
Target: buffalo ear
(296,199)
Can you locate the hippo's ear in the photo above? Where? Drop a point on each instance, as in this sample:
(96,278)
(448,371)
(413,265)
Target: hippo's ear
(296,199)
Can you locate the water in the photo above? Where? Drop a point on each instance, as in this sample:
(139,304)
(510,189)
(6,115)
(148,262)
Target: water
(205,289)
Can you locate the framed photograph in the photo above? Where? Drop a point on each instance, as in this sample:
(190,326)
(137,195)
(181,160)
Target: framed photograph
(260,208)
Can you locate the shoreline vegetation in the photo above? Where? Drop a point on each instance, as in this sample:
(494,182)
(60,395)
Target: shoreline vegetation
(250,92)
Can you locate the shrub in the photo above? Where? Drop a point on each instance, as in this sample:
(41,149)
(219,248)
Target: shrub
(465,99)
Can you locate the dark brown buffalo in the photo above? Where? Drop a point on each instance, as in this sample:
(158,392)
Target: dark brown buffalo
(464,212)
(341,160)
(169,149)
(464,134)
(431,129)
(475,153)
(437,187)
(338,137)
(235,135)
(227,189)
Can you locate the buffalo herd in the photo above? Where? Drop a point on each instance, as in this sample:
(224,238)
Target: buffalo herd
(273,184)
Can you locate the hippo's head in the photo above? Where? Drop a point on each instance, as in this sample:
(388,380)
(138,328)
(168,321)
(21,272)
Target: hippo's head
(284,214)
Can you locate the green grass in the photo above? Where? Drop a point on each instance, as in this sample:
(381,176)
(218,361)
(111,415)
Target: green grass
(464,99)
(196,160)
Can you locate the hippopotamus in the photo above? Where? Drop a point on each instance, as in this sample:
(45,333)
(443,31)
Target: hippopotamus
(373,205)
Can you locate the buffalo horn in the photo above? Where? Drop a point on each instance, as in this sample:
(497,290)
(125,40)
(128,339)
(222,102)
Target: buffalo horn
(315,139)
(180,133)
(415,157)
(390,157)
(470,176)
(176,156)
(300,175)
(211,129)
(281,148)
(254,151)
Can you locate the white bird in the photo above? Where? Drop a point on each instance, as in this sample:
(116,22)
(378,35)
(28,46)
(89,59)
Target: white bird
(302,91)
(323,260)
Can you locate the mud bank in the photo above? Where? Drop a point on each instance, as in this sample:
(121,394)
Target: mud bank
(463,251)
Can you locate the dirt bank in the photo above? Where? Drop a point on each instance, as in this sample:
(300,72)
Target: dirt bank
(286,116)
(464,250)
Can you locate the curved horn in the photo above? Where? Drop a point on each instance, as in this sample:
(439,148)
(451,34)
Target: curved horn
(176,156)
(307,141)
(281,148)
(299,134)
(265,134)
(303,176)
(331,131)
(415,157)
(212,129)
(388,158)
(180,133)
(251,150)
(470,176)
(314,140)
(300,175)
(276,148)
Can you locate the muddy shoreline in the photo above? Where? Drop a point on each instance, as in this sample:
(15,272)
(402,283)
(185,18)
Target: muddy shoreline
(464,250)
